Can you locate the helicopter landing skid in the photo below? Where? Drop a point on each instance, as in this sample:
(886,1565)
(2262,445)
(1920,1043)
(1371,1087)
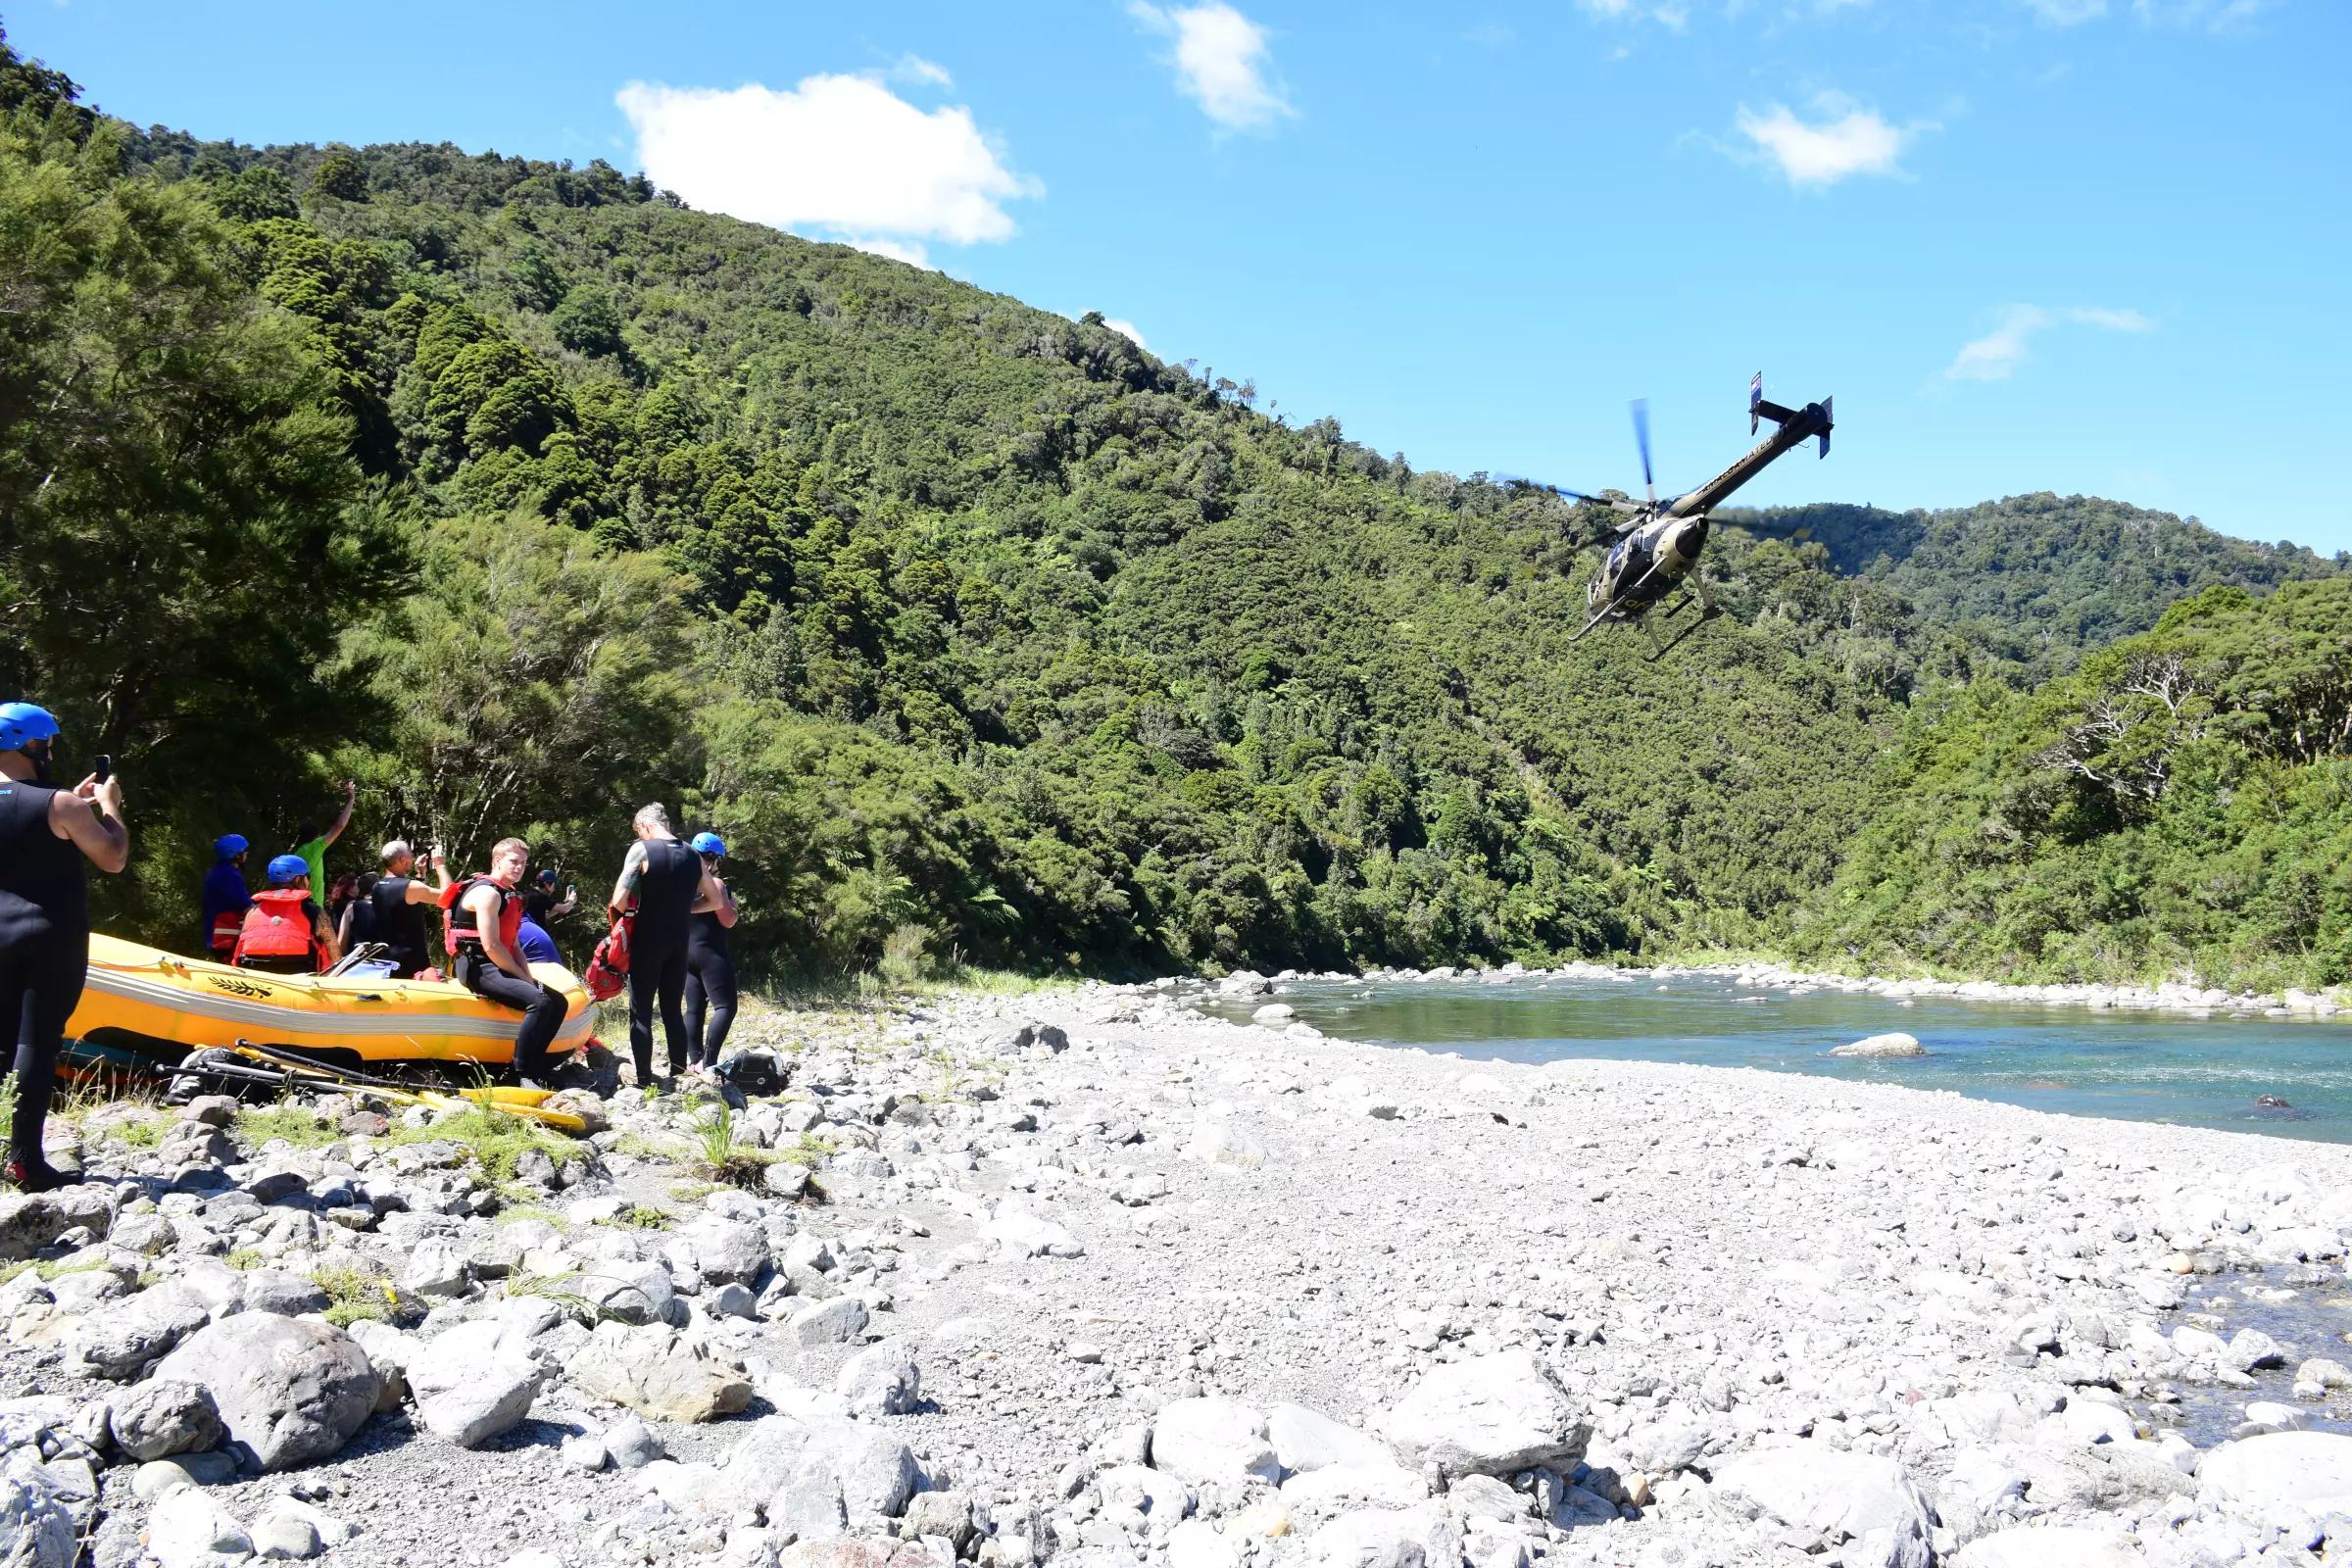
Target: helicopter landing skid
(1709,611)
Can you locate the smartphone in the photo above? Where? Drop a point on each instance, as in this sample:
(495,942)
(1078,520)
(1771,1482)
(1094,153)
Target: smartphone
(105,769)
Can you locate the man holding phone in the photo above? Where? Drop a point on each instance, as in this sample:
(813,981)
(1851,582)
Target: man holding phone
(400,898)
(47,834)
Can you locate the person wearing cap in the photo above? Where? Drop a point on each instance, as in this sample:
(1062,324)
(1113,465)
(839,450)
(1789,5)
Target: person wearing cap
(710,970)
(48,837)
(549,900)
(399,901)
(285,932)
(224,898)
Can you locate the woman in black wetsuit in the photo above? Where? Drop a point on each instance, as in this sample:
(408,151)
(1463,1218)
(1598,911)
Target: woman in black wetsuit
(709,971)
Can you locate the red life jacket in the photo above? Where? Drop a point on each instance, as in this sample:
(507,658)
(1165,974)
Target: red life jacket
(226,927)
(463,936)
(277,927)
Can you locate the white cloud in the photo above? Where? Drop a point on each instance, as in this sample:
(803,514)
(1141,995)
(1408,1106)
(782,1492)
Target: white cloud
(931,73)
(1221,62)
(1859,142)
(1992,357)
(1126,330)
(1670,13)
(842,156)
(2066,13)
(2215,16)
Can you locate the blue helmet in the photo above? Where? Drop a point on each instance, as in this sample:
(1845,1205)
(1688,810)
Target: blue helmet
(286,867)
(709,844)
(22,723)
(230,844)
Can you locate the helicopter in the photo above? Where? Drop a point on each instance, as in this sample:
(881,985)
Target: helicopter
(1656,552)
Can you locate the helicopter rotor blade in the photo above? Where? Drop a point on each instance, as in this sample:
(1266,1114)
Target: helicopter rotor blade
(1641,439)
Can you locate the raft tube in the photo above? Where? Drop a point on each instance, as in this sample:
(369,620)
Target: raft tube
(159,1006)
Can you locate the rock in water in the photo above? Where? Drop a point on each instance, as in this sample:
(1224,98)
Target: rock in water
(289,1390)
(1896,1044)
(1835,1496)
(1486,1415)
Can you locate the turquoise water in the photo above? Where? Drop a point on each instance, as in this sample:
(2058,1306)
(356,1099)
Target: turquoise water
(2139,1066)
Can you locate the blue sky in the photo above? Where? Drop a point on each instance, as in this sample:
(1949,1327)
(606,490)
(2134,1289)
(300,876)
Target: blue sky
(2079,245)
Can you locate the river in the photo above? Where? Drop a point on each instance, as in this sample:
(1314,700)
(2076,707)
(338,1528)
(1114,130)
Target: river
(2129,1065)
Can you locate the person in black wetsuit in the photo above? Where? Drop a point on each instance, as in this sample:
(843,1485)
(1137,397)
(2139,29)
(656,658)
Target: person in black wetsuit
(400,900)
(710,969)
(484,937)
(45,836)
(660,880)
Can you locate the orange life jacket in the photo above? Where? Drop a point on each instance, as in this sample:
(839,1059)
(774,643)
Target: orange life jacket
(277,927)
(462,935)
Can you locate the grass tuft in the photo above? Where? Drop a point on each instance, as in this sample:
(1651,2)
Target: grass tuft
(719,1158)
(296,1124)
(495,1138)
(352,1296)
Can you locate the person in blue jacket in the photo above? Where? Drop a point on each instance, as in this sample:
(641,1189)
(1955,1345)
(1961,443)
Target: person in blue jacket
(225,898)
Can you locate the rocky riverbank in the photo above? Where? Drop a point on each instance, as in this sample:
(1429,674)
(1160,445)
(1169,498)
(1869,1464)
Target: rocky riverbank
(1100,1281)
(2173,995)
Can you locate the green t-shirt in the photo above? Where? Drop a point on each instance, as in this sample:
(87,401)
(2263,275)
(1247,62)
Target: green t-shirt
(314,851)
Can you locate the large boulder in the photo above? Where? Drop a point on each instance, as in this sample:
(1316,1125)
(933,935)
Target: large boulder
(632,1293)
(1485,1415)
(871,1471)
(290,1390)
(882,1380)
(473,1382)
(159,1418)
(1308,1440)
(36,1525)
(764,1458)
(2309,1470)
(836,1320)
(659,1372)
(1372,1537)
(122,1338)
(190,1529)
(2064,1547)
(1212,1439)
(30,1221)
(727,1250)
(1859,1503)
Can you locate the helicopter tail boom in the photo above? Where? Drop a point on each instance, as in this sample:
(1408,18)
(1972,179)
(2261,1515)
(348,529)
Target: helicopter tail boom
(1796,426)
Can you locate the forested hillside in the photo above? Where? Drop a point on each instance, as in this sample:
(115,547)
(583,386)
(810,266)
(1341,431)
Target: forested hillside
(2181,804)
(2022,588)
(522,494)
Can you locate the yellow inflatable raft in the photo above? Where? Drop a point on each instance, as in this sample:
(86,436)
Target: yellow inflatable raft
(156,1004)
